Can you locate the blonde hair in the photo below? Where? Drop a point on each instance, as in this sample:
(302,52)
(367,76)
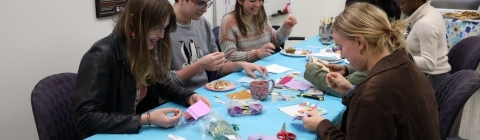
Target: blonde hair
(370,22)
(260,20)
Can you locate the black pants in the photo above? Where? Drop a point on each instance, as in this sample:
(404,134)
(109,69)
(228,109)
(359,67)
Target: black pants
(435,80)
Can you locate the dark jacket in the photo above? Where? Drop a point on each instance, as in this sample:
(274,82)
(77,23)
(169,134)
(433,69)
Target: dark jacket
(105,92)
(395,101)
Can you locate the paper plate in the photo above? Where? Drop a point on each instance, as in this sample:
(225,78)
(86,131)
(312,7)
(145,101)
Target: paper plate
(209,86)
(298,53)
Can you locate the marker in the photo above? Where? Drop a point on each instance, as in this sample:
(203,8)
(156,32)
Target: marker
(316,97)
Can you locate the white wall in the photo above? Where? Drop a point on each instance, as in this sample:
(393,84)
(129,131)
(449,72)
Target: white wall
(39,38)
(308,14)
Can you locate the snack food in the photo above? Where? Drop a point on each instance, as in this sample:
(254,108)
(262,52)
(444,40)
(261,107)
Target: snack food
(462,15)
(290,50)
(220,84)
(305,52)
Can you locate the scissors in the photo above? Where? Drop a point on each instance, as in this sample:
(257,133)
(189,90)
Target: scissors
(284,135)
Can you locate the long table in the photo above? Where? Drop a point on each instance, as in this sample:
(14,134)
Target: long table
(269,122)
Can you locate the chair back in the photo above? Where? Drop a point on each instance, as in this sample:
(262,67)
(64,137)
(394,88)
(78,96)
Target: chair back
(452,94)
(465,55)
(52,105)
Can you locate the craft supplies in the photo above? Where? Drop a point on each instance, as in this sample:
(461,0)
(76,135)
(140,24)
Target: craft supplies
(217,127)
(241,95)
(316,97)
(299,109)
(325,30)
(274,96)
(244,107)
(284,135)
(235,127)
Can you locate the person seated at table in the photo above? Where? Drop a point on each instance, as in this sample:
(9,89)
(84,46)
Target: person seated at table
(426,40)
(125,73)
(390,7)
(196,51)
(395,101)
(316,75)
(246,34)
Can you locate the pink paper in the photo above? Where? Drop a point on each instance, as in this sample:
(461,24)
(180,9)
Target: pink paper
(294,84)
(198,109)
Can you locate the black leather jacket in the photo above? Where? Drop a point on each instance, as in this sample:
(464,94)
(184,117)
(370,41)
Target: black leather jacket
(105,92)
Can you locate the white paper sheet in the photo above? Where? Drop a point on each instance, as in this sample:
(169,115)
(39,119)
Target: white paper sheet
(293,110)
(248,79)
(274,68)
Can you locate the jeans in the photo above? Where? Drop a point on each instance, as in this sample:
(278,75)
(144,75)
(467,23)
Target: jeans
(435,80)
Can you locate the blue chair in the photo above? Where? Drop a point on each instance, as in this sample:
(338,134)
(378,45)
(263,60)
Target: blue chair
(52,105)
(452,94)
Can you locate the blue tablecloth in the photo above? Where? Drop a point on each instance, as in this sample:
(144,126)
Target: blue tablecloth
(269,122)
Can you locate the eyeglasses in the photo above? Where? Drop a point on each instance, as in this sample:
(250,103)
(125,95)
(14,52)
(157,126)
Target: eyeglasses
(203,5)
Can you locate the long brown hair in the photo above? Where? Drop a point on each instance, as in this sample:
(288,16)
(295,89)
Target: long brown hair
(147,66)
(260,20)
(369,21)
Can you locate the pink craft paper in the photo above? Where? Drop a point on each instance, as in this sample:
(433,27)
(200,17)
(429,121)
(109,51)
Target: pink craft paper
(198,109)
(294,84)
(285,79)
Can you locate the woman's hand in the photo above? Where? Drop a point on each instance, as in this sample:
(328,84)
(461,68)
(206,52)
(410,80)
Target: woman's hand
(290,21)
(337,68)
(337,82)
(311,120)
(159,117)
(192,99)
(250,68)
(266,50)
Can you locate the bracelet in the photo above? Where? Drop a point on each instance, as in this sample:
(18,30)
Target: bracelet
(148,118)
(350,91)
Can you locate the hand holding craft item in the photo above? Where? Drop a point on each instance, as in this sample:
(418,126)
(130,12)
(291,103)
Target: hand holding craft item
(261,89)
(299,109)
(244,107)
(194,112)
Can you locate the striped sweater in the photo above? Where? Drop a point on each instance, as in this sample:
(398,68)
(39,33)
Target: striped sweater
(241,48)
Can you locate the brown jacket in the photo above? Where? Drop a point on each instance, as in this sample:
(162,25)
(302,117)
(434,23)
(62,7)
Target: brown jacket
(395,101)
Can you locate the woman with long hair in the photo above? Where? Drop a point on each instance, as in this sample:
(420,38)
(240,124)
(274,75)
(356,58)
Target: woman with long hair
(126,73)
(246,35)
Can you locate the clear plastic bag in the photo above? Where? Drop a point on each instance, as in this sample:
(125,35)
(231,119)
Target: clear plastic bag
(244,107)
(216,128)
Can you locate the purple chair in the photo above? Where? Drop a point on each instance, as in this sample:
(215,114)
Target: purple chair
(452,94)
(52,105)
(465,55)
